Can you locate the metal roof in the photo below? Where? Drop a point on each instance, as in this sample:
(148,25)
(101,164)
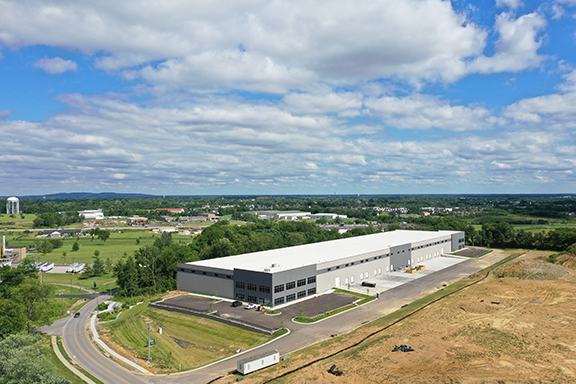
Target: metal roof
(318,253)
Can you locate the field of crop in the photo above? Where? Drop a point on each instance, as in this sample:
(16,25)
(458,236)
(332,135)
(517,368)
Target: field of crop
(186,340)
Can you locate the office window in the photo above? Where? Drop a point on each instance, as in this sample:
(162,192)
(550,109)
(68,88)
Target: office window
(290,285)
(279,288)
(290,298)
(301,294)
(311,291)
(252,299)
(252,287)
(312,280)
(264,288)
(279,300)
(240,296)
(240,285)
(301,282)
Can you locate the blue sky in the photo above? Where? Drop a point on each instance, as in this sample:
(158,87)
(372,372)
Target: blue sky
(282,97)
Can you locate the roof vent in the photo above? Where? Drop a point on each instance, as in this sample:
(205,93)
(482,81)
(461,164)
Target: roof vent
(274,266)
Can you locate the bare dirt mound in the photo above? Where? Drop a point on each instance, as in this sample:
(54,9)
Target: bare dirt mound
(532,270)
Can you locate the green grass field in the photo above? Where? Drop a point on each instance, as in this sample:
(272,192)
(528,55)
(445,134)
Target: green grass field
(105,282)
(187,340)
(28,218)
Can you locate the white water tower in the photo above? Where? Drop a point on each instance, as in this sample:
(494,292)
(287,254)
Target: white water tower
(13,206)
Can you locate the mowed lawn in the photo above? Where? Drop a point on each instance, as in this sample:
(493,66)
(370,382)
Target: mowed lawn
(187,340)
(105,282)
(85,254)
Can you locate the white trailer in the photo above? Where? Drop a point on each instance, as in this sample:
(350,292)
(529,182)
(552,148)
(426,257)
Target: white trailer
(71,268)
(254,363)
(45,267)
(79,268)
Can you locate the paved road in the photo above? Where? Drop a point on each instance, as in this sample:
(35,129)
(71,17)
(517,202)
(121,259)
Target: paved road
(86,354)
(81,349)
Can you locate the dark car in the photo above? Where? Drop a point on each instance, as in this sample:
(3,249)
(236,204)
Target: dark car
(237,303)
(368,284)
(77,315)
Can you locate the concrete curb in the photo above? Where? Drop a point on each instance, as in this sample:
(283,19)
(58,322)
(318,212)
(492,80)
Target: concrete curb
(110,350)
(67,363)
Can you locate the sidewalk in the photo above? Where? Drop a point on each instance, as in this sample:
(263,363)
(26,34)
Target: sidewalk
(67,364)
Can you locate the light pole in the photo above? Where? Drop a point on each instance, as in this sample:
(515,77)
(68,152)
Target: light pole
(62,297)
(149,330)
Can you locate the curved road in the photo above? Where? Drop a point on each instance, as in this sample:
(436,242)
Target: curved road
(83,351)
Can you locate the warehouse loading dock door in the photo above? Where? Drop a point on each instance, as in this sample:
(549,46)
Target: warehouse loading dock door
(337,281)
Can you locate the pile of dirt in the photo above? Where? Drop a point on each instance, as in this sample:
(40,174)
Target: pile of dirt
(532,270)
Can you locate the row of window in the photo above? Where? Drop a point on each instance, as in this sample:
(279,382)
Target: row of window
(205,273)
(294,296)
(253,287)
(293,284)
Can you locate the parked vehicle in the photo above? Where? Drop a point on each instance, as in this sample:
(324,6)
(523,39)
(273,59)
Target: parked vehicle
(237,303)
(250,306)
(368,284)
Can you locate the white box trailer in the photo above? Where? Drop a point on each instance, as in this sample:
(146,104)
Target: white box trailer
(254,363)
(45,267)
(71,268)
(79,268)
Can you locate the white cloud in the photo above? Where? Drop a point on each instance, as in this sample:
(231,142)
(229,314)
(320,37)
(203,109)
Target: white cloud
(513,4)
(284,42)
(56,65)
(106,141)
(5,114)
(424,112)
(517,46)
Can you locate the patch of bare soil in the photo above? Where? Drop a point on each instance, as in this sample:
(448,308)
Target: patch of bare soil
(503,330)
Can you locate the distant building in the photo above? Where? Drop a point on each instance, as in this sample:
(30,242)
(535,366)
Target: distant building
(136,220)
(280,215)
(173,210)
(331,216)
(92,214)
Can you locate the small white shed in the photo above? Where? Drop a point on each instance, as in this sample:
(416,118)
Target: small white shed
(254,363)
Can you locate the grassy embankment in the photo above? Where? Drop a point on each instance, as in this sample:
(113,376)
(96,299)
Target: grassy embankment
(187,342)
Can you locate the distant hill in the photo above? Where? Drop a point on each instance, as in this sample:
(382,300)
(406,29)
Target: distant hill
(89,195)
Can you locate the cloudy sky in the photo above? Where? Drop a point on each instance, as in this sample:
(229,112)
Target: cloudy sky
(284,97)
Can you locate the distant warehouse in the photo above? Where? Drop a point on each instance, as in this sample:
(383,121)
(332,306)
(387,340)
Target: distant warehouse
(282,275)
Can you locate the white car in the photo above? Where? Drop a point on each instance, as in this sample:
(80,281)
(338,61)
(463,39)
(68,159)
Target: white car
(250,306)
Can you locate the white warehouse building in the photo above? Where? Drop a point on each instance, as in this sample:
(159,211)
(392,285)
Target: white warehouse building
(282,275)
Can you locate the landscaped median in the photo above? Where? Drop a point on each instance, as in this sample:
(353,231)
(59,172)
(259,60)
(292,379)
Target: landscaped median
(363,299)
(184,342)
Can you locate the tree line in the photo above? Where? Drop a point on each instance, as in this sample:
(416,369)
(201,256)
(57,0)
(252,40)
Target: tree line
(152,268)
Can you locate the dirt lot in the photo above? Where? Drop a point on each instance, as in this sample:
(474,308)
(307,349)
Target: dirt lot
(517,326)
